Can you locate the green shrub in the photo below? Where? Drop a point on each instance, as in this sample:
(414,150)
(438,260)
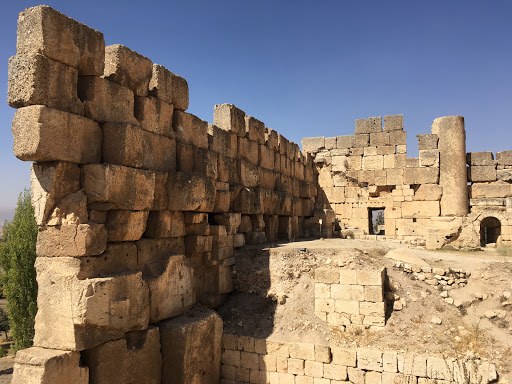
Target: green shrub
(17,257)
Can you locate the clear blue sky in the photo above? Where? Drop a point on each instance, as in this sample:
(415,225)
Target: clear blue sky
(309,68)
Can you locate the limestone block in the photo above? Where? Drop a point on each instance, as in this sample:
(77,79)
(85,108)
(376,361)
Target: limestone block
(427,141)
(128,144)
(105,101)
(51,182)
(154,115)
(71,240)
(371,277)
(71,210)
(284,146)
(413,364)
(195,243)
(361,140)
(271,139)
(206,162)
(169,87)
(190,129)
(420,209)
(504,158)
(126,225)
(117,187)
(439,368)
(377,309)
(248,150)
(477,173)
(190,192)
(347,292)
(43,30)
(330,143)
(185,157)
(46,134)
(345,141)
(38,80)
(313,144)
(254,238)
(386,150)
(249,175)
(229,118)
(229,219)
(347,306)
(370,151)
(255,129)
(340,164)
(191,348)
(369,359)
(171,286)
(79,314)
(152,254)
(222,201)
(266,157)
(135,358)
(343,356)
(373,162)
(412,162)
(160,195)
(49,366)
(504,175)
(429,158)
(394,176)
(379,139)
(489,202)
(373,293)
(128,68)
(369,125)
(393,123)
(247,201)
(426,192)
(421,175)
(266,179)
(490,190)
(222,142)
(480,158)
(118,258)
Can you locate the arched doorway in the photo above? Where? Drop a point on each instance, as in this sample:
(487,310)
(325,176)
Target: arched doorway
(490,230)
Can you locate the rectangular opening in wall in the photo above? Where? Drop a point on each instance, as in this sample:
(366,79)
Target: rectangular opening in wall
(376,221)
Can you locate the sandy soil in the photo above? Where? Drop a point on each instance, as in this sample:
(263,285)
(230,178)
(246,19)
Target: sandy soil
(274,299)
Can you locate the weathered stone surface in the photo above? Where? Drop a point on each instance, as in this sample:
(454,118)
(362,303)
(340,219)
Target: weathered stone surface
(479,173)
(128,144)
(169,87)
(126,225)
(38,80)
(504,175)
(43,30)
(50,182)
(171,285)
(49,366)
(480,158)
(190,192)
(191,348)
(71,210)
(152,254)
(255,129)
(128,68)
(369,125)
(136,358)
(46,134)
(427,192)
(393,123)
(229,118)
(165,224)
(420,209)
(504,158)
(105,101)
(429,157)
(71,240)
(313,144)
(154,115)
(427,141)
(117,187)
(490,190)
(191,129)
(118,258)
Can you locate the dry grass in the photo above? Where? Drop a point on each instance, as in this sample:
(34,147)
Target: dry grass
(474,339)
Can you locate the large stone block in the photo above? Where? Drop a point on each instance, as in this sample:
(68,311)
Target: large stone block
(49,366)
(126,225)
(46,134)
(373,162)
(479,173)
(171,286)
(118,258)
(313,144)
(421,175)
(489,190)
(249,176)
(71,240)
(255,129)
(38,80)
(169,87)
(428,192)
(248,150)
(152,254)
(379,138)
(480,158)
(393,123)
(223,142)
(266,157)
(427,141)
(191,348)
(191,129)
(51,182)
(229,118)
(416,209)
(154,115)
(128,144)
(429,157)
(369,125)
(78,314)
(504,158)
(71,210)
(128,68)
(135,358)
(190,192)
(105,101)
(344,142)
(43,30)
(165,224)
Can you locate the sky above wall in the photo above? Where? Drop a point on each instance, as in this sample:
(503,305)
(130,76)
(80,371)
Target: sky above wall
(307,68)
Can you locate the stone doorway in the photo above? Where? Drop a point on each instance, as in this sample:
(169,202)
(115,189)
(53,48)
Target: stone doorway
(376,221)
(490,230)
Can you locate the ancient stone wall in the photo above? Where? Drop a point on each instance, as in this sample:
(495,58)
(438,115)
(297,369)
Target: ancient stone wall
(259,361)
(139,203)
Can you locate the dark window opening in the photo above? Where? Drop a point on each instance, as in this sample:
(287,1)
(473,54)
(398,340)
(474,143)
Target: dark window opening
(490,230)
(376,221)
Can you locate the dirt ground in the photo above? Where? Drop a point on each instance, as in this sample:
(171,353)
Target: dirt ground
(274,299)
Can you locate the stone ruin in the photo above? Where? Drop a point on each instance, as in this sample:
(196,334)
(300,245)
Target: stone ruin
(140,206)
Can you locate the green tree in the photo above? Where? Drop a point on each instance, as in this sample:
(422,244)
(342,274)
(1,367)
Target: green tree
(17,257)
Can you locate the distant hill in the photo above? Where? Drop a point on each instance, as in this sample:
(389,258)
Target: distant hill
(5,214)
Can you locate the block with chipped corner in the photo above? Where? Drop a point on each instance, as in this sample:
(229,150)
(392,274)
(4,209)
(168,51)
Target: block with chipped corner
(171,286)
(128,68)
(46,134)
(105,101)
(191,348)
(135,358)
(255,129)
(49,366)
(190,192)
(51,182)
(71,240)
(229,118)
(313,144)
(71,210)
(190,129)
(116,187)
(169,87)
(154,115)
(43,30)
(126,225)
(426,192)
(85,313)
(38,80)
